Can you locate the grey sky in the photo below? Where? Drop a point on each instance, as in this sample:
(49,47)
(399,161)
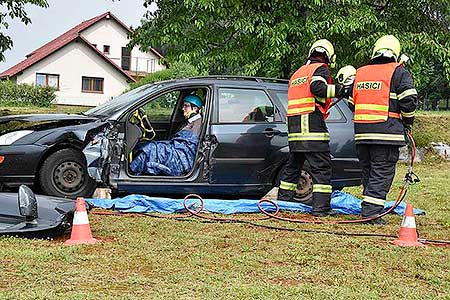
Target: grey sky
(60,16)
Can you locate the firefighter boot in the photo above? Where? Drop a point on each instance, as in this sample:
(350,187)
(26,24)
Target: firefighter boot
(321,205)
(370,210)
(285,195)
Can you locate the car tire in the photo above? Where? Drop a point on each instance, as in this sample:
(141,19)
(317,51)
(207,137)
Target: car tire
(303,192)
(64,174)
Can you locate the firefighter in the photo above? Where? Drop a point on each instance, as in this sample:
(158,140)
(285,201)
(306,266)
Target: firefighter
(310,92)
(384,101)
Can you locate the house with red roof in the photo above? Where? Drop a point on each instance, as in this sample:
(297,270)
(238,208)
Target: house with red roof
(89,64)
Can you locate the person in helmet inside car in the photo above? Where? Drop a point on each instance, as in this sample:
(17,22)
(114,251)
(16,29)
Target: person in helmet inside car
(309,95)
(175,156)
(192,105)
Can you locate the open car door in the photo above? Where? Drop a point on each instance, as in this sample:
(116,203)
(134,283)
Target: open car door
(112,150)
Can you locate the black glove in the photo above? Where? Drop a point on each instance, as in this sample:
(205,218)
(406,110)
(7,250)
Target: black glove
(342,91)
(407,127)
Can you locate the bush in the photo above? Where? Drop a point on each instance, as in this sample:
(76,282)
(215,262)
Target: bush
(12,94)
(431,127)
(176,71)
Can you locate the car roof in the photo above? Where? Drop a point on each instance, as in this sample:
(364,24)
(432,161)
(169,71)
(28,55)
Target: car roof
(247,81)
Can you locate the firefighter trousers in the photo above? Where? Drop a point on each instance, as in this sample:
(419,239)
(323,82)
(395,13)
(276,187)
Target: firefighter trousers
(320,171)
(378,170)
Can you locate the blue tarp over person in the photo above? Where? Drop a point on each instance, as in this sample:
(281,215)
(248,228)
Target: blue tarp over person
(176,156)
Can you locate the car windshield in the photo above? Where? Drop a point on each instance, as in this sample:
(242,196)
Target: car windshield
(118,103)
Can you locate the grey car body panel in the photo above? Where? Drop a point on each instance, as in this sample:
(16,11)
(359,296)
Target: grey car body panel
(54,216)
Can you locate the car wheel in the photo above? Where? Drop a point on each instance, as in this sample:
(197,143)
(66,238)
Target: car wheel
(303,193)
(64,174)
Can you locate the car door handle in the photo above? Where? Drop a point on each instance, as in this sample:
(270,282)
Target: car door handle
(271,132)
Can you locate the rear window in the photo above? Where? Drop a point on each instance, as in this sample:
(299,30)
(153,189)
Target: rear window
(245,106)
(335,113)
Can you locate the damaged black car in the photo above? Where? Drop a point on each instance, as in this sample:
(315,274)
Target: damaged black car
(241,148)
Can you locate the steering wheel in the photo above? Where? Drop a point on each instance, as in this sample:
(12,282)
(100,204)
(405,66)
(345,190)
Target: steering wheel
(145,124)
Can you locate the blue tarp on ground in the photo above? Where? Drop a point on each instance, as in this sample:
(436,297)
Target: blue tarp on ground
(174,157)
(341,202)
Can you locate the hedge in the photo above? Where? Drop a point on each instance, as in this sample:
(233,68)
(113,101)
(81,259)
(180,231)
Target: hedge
(12,94)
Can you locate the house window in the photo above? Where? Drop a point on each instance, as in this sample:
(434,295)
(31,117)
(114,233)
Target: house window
(95,45)
(92,85)
(106,49)
(126,58)
(51,80)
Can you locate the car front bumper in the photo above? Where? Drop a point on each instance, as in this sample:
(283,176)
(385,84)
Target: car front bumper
(19,164)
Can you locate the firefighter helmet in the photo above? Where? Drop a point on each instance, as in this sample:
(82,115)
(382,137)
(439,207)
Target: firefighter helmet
(346,75)
(387,46)
(324,46)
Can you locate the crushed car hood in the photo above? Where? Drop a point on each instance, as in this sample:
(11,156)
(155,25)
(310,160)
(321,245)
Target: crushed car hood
(55,216)
(41,121)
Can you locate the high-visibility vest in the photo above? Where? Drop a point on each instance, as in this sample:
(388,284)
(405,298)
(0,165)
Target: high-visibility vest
(300,98)
(371,92)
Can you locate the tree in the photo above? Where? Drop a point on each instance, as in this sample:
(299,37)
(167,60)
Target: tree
(272,38)
(14,9)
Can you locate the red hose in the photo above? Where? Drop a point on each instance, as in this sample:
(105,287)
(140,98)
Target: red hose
(221,219)
(128,214)
(318,221)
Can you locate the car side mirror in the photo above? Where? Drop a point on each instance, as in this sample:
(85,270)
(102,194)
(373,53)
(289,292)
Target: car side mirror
(27,204)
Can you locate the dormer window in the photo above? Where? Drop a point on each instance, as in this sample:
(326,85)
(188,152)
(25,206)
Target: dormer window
(106,49)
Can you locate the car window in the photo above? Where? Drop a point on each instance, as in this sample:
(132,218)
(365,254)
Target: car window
(283,97)
(244,106)
(160,109)
(335,113)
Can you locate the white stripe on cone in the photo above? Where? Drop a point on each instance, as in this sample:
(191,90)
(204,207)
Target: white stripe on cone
(408,222)
(80,218)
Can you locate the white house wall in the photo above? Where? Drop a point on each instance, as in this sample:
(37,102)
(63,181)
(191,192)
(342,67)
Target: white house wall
(145,62)
(71,63)
(109,32)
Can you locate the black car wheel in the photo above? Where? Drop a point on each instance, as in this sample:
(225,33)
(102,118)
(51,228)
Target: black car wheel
(303,193)
(64,174)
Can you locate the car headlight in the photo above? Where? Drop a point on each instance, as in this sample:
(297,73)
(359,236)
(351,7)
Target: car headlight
(9,138)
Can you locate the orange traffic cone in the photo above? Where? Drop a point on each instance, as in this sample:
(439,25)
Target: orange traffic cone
(81,230)
(408,234)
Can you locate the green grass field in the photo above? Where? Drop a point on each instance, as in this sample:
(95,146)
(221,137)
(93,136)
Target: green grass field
(152,258)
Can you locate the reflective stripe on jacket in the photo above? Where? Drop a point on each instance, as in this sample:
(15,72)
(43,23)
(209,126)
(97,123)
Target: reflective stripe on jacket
(371,93)
(300,98)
